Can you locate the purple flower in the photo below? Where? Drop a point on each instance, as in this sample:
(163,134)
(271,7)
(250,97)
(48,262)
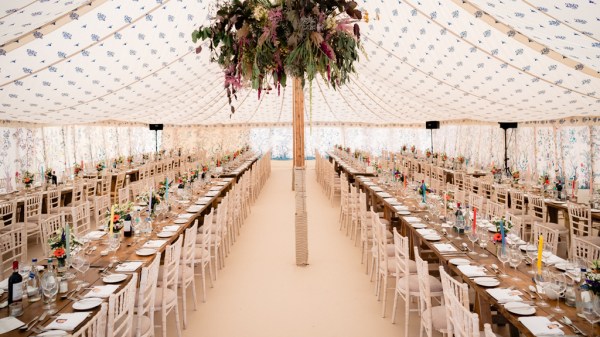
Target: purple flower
(327,50)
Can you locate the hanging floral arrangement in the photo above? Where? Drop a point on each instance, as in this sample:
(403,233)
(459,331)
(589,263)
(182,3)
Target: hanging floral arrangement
(259,43)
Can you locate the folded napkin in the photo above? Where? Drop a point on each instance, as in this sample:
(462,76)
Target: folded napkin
(444,247)
(193,209)
(227,179)
(95,235)
(211,193)
(377,189)
(53,333)
(203,200)
(67,321)
(412,219)
(129,266)
(472,271)
(9,324)
(99,291)
(222,183)
(384,195)
(216,188)
(154,243)
(552,259)
(392,201)
(541,325)
(185,215)
(4,284)
(400,208)
(503,295)
(426,231)
(171,228)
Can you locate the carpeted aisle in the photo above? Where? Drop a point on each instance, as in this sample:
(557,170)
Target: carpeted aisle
(262,293)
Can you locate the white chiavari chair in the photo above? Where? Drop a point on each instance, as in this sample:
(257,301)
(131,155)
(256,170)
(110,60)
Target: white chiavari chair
(464,322)
(166,294)
(486,189)
(335,187)
(50,226)
(81,219)
(550,235)
(186,269)
(101,209)
(453,291)
(96,326)
(476,201)
(432,317)
(13,247)
(580,223)
(8,215)
(494,210)
(584,250)
(53,202)
(121,309)
(202,256)
(119,183)
(500,195)
(32,211)
(143,322)
(123,195)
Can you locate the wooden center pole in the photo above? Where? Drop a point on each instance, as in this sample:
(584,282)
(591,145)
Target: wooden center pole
(299,185)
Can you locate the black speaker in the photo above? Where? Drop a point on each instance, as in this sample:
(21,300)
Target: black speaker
(156,127)
(506,126)
(432,125)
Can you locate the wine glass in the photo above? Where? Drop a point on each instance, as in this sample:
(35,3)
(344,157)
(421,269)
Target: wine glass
(532,255)
(503,256)
(483,241)
(473,237)
(49,290)
(114,242)
(81,264)
(559,285)
(515,260)
(541,280)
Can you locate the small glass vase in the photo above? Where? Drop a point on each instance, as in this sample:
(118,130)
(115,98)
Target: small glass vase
(61,266)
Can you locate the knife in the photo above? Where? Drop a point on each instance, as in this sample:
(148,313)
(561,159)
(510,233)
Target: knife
(43,317)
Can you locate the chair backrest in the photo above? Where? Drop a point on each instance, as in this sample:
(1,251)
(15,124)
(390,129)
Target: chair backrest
(486,189)
(105,182)
(580,220)
(78,195)
(495,210)
(121,307)
(424,292)
(537,207)
(401,253)
(96,326)
(101,208)
(147,294)
(188,252)
(584,250)
(123,196)
(120,183)
(49,227)
(80,215)
(8,213)
(518,227)
(550,235)
(53,199)
(13,246)
(501,195)
(205,230)
(91,184)
(517,201)
(464,322)
(454,291)
(171,265)
(475,201)
(33,206)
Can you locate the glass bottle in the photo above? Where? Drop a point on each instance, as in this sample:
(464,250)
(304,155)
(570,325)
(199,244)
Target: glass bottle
(34,289)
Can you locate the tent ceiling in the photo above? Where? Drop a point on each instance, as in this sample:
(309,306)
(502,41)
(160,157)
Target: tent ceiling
(426,60)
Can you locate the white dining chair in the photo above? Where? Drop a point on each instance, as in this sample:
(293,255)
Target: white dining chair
(120,310)
(186,269)
(49,227)
(432,317)
(13,247)
(453,290)
(202,255)
(166,293)
(81,219)
(95,326)
(32,210)
(143,322)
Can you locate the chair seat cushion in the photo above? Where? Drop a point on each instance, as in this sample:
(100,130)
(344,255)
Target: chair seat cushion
(201,253)
(590,239)
(413,284)
(144,323)
(438,317)
(170,297)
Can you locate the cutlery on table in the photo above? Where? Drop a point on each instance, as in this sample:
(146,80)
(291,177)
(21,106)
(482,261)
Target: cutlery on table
(26,326)
(41,318)
(529,294)
(568,322)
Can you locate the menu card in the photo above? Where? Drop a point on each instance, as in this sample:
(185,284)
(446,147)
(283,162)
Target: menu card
(67,321)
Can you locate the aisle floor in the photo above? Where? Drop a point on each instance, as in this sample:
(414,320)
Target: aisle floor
(261,292)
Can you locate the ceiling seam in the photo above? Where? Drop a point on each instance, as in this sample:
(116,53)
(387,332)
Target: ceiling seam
(19,9)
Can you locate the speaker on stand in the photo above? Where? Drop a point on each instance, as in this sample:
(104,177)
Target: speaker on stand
(156,128)
(432,125)
(505,126)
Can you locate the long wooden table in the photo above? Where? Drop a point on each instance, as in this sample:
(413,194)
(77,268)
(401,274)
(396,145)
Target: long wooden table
(484,302)
(126,252)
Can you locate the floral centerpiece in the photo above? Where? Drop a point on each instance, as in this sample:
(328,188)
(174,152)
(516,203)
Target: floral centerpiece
(258,43)
(507,227)
(193,175)
(129,160)
(544,179)
(404,148)
(413,149)
(48,174)
(100,166)
(444,156)
(460,159)
(120,212)
(434,155)
(58,245)
(27,178)
(145,156)
(592,278)
(428,153)
(182,179)
(120,160)
(516,175)
(495,170)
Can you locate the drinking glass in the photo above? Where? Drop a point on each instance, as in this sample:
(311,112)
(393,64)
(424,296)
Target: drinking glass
(541,280)
(49,290)
(473,237)
(532,255)
(483,241)
(559,285)
(114,242)
(515,260)
(503,256)
(81,264)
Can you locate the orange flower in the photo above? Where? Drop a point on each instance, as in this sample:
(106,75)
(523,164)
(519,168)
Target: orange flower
(116,217)
(497,237)
(59,253)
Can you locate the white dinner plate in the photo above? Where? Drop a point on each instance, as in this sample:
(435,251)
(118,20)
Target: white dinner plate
(180,221)
(459,262)
(595,210)
(529,248)
(562,266)
(519,308)
(418,225)
(193,209)
(165,234)
(403,212)
(145,251)
(486,281)
(114,278)
(558,202)
(87,303)
(432,237)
